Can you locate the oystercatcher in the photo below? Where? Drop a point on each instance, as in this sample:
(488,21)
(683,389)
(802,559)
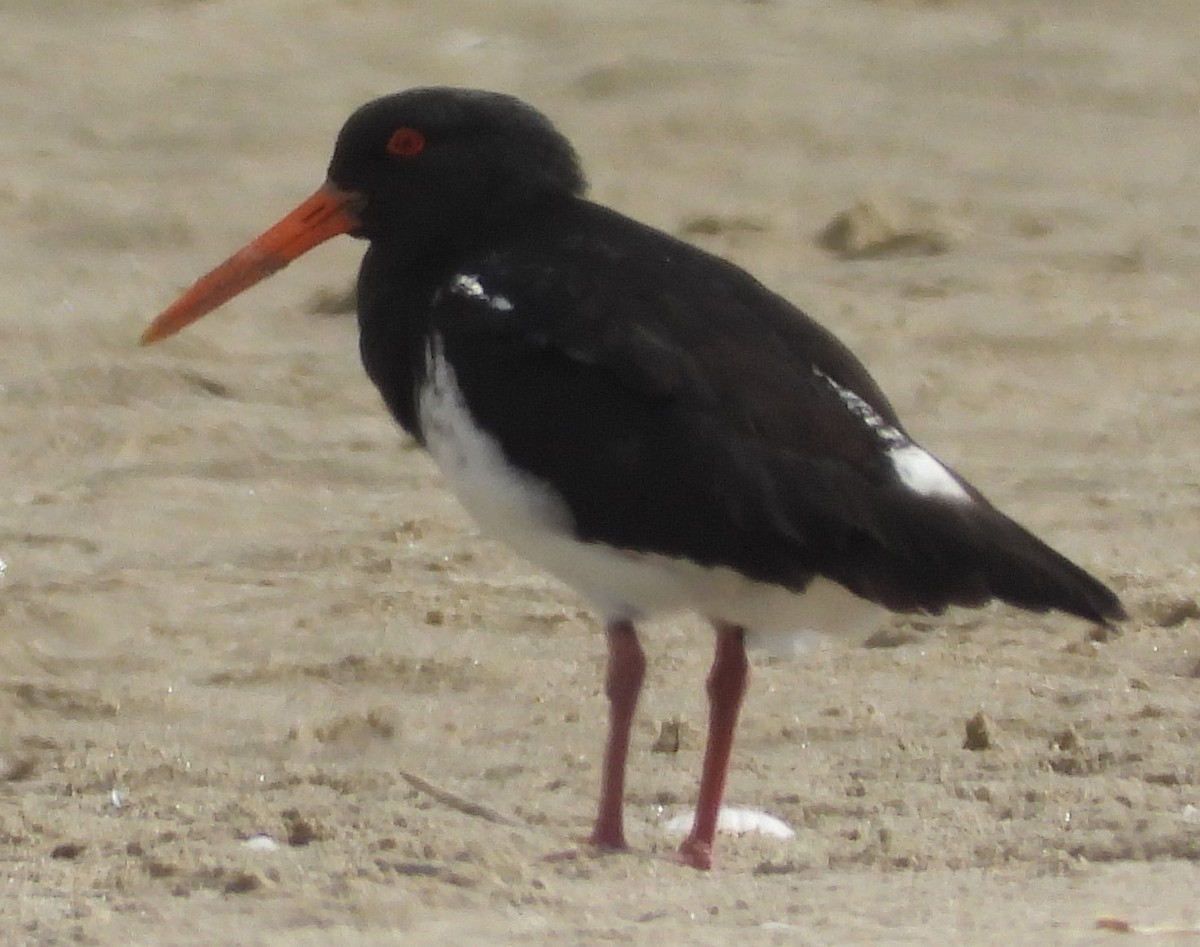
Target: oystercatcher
(640,418)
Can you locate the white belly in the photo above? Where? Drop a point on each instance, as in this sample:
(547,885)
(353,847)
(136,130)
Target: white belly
(531,517)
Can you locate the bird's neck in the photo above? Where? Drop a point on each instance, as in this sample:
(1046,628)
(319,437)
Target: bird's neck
(394,294)
(397,283)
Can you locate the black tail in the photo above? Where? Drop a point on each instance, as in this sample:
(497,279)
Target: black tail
(937,553)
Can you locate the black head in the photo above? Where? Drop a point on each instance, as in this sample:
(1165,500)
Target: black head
(434,163)
(426,171)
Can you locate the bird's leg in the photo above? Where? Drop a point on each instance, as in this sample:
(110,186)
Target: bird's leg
(623,683)
(726,688)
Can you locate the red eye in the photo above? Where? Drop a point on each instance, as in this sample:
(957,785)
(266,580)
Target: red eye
(406,143)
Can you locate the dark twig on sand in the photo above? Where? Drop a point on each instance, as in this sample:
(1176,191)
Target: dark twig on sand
(457,802)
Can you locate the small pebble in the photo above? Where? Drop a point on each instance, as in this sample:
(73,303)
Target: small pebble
(300,831)
(242,882)
(673,735)
(979,733)
(1169,611)
(875,228)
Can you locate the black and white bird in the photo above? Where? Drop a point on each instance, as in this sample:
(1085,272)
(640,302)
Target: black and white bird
(640,418)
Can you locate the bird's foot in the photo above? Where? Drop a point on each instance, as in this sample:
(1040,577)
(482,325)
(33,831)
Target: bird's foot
(695,854)
(589,847)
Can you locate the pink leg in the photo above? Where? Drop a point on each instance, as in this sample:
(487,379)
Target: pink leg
(623,683)
(726,688)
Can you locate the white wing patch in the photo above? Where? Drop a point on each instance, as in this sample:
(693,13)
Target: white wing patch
(923,473)
(891,436)
(917,469)
(464,284)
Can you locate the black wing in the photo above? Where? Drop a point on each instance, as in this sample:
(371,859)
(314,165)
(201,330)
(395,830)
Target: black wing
(682,408)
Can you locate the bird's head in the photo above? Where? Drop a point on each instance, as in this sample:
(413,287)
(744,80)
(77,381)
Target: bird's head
(427,162)
(417,169)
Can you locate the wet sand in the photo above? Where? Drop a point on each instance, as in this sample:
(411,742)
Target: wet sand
(261,682)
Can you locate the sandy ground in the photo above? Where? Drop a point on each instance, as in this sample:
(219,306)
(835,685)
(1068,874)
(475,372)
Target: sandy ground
(236,604)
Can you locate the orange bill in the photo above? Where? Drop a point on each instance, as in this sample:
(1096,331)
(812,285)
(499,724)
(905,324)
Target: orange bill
(329,212)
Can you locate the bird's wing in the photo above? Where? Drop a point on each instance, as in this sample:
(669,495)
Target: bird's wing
(675,324)
(681,408)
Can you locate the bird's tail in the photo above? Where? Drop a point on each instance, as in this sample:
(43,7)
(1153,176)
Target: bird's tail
(941,553)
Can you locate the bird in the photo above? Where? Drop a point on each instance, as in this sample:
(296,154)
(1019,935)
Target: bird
(641,418)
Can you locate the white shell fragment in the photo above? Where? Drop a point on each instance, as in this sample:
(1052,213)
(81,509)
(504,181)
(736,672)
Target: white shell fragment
(261,843)
(735,820)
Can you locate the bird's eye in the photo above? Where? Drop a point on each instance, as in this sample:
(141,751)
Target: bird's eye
(406,142)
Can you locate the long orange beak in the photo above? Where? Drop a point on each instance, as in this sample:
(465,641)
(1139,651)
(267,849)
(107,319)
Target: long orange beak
(329,212)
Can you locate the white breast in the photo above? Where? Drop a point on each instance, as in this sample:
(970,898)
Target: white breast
(529,515)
